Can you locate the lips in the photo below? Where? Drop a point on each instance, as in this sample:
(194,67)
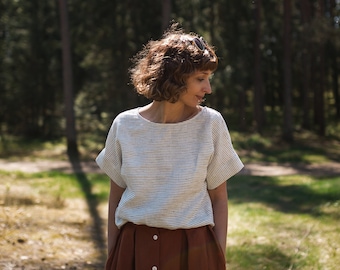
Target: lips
(200,99)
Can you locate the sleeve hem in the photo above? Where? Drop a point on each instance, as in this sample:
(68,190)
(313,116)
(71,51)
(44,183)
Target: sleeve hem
(233,168)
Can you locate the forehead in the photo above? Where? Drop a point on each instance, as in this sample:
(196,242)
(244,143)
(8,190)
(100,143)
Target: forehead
(201,72)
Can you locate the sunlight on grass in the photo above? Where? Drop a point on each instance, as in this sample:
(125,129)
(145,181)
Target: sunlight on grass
(56,184)
(288,222)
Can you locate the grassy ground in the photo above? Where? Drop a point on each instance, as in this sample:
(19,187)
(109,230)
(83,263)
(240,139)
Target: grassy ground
(289,222)
(55,220)
(286,222)
(52,221)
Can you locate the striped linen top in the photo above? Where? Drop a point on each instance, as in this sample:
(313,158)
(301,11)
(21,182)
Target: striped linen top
(167,169)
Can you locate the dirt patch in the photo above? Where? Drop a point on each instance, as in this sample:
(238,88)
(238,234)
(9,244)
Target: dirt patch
(271,169)
(40,233)
(260,169)
(48,165)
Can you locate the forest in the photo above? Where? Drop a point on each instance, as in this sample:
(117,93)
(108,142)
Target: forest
(64,64)
(64,76)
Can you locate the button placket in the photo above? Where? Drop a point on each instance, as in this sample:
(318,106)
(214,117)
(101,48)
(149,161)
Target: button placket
(148,254)
(155,238)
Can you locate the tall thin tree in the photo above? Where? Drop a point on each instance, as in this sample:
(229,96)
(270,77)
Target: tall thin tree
(319,90)
(306,15)
(166,13)
(258,83)
(72,146)
(287,73)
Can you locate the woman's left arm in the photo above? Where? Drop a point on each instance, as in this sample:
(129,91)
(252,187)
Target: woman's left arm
(219,200)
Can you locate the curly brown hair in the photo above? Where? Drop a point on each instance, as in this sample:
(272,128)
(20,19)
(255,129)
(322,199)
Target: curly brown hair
(162,67)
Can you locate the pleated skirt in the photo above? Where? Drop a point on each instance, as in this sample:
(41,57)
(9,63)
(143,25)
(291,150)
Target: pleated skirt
(140,247)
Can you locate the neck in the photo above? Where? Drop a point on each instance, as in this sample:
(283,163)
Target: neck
(166,112)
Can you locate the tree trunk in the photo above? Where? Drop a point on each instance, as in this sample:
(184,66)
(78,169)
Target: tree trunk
(287,75)
(258,84)
(166,13)
(319,106)
(72,147)
(319,103)
(306,62)
(334,55)
(335,79)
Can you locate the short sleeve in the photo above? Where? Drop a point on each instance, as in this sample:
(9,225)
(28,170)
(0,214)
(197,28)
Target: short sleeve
(224,162)
(110,158)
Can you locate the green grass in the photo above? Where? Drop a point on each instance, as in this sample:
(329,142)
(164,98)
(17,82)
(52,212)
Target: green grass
(287,222)
(58,185)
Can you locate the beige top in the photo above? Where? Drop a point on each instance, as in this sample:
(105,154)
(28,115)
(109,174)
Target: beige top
(167,169)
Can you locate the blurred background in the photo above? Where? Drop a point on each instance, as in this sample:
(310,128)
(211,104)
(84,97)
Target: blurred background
(64,77)
(64,64)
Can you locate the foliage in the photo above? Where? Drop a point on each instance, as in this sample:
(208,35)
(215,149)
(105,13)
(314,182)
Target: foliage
(106,34)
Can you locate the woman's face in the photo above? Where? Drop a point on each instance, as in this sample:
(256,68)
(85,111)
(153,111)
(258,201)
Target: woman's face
(198,85)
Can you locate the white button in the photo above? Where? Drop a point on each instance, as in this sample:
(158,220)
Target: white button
(154,268)
(155,237)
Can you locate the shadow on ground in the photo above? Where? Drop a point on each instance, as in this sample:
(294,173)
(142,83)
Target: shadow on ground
(300,199)
(92,203)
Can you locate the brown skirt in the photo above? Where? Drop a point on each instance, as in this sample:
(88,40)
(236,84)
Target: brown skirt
(141,247)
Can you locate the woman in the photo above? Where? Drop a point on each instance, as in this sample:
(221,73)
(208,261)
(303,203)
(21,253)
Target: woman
(169,162)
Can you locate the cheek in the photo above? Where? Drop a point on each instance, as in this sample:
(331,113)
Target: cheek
(192,87)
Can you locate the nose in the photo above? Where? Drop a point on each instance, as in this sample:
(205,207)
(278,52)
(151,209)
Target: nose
(207,88)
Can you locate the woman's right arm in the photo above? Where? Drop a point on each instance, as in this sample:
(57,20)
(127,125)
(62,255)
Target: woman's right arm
(114,198)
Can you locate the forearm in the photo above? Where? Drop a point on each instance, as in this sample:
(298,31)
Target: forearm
(112,230)
(219,201)
(220,209)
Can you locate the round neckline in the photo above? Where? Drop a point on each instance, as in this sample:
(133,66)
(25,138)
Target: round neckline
(203,108)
